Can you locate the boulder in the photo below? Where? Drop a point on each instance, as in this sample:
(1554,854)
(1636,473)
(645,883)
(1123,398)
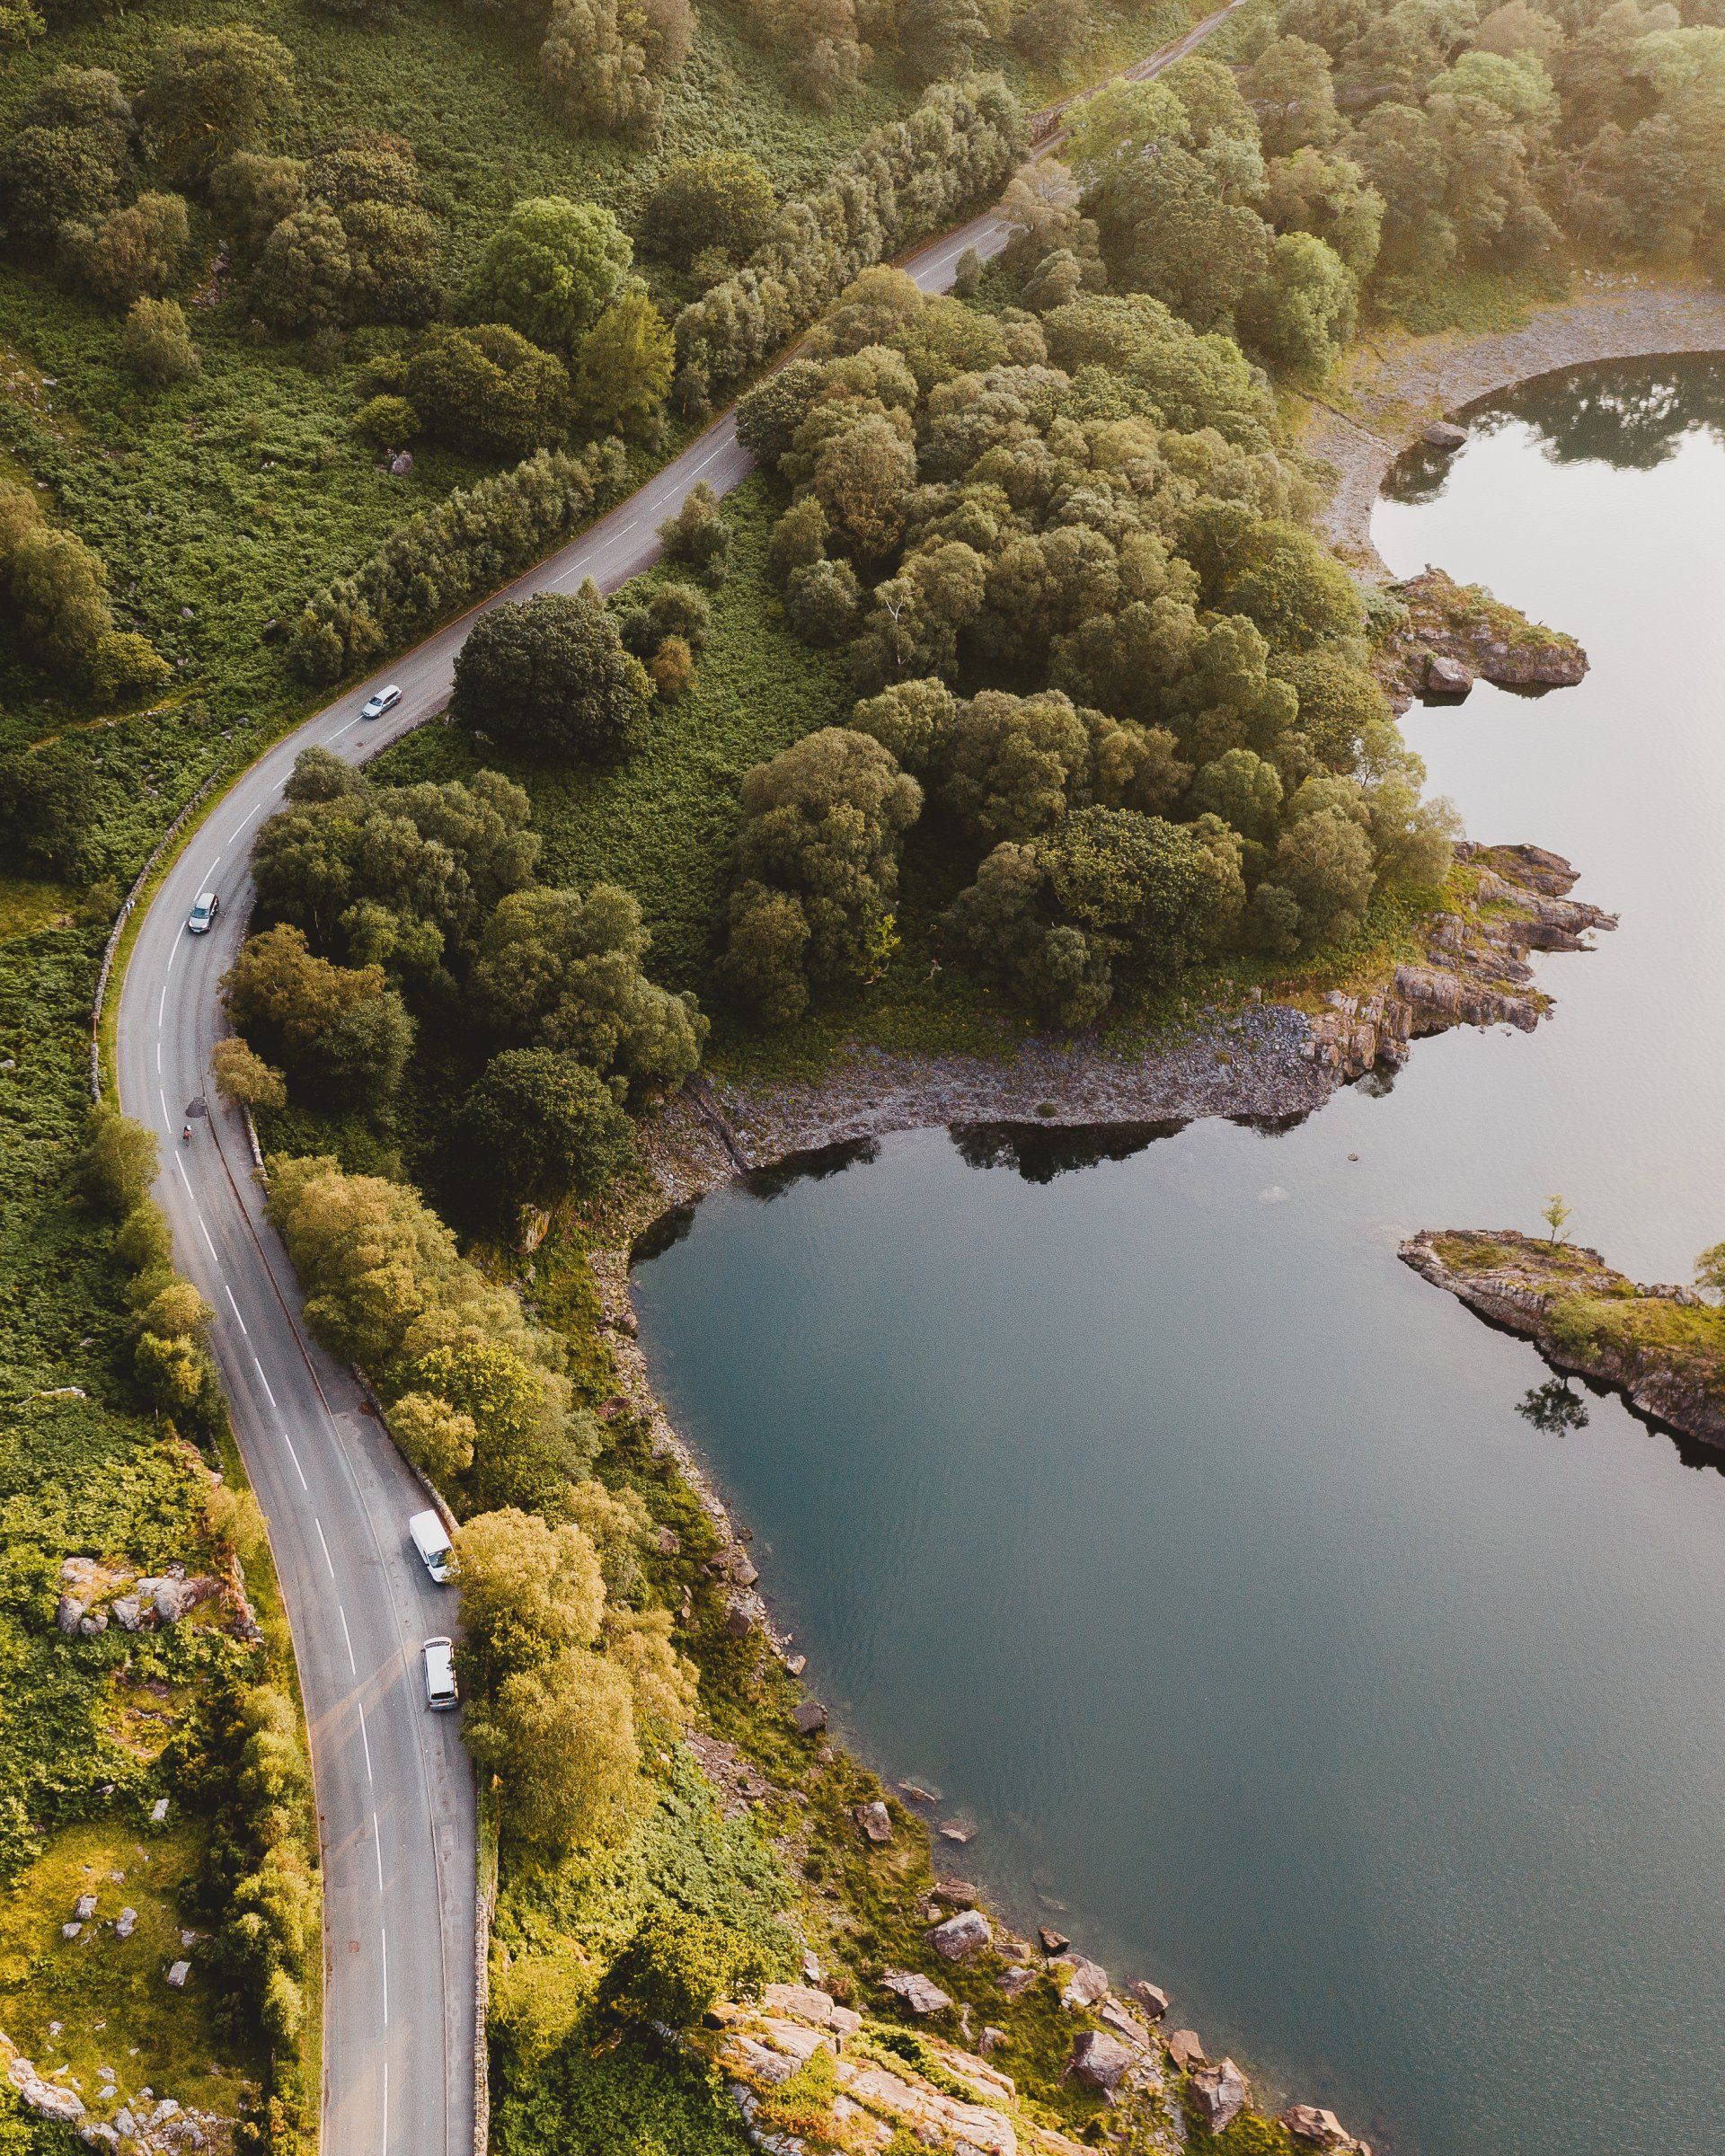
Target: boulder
(958,1894)
(1053,1941)
(1444,434)
(46,2099)
(1323,2129)
(85,1907)
(957,1830)
(1151,1997)
(1086,1982)
(158,1811)
(70,1930)
(128,1612)
(920,1792)
(1098,2060)
(177,1976)
(991,2040)
(70,1614)
(1220,2093)
(1114,2016)
(1015,1982)
(961,1936)
(92,1624)
(1446,676)
(918,1993)
(127,1923)
(810,1715)
(1184,2050)
(741,1615)
(875,1820)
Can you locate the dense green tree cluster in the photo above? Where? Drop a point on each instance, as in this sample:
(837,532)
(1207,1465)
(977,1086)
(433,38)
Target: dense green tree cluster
(384,907)
(1093,629)
(958,146)
(55,610)
(473,541)
(551,677)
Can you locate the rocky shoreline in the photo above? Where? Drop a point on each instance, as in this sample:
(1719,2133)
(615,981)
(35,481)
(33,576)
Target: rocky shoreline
(1260,1061)
(1661,1349)
(1394,388)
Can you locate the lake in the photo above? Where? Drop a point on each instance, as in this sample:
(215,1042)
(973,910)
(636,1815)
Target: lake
(1240,1584)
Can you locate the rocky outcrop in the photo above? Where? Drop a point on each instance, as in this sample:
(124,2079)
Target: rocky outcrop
(144,2125)
(1476,971)
(1323,2130)
(1219,2094)
(95,1593)
(1662,1348)
(1454,633)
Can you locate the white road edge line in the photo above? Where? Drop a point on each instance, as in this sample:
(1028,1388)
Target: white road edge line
(364,1739)
(328,1559)
(234,1307)
(378,1843)
(347,1636)
(385,2140)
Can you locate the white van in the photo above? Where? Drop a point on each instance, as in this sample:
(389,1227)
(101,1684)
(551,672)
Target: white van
(440,1691)
(431,1540)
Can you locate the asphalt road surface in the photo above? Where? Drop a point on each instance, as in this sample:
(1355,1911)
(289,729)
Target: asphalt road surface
(394,1790)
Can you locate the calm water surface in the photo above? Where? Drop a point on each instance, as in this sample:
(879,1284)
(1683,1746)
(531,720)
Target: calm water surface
(1152,1510)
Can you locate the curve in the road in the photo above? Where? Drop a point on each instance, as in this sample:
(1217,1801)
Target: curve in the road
(394,1793)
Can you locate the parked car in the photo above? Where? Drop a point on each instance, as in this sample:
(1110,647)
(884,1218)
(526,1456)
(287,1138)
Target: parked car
(431,1540)
(385,700)
(440,1691)
(202,916)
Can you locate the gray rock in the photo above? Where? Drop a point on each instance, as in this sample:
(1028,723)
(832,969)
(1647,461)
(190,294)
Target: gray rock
(92,1624)
(810,1715)
(1053,1941)
(85,1907)
(1307,2121)
(178,1974)
(1151,1997)
(158,1811)
(69,1613)
(1446,676)
(875,1821)
(1098,2060)
(1185,2050)
(957,1830)
(127,1925)
(128,1612)
(920,1792)
(918,1993)
(991,2040)
(1114,2016)
(1086,1982)
(961,1936)
(70,1930)
(1221,2094)
(1444,434)
(1015,1982)
(125,2120)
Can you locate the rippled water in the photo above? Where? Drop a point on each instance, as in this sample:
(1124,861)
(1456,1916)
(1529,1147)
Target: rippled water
(1230,1575)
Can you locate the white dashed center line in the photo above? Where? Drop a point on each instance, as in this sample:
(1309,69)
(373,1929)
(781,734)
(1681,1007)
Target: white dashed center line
(383,1935)
(378,1843)
(347,1636)
(365,1741)
(294,1456)
(328,1559)
(234,1307)
(264,1382)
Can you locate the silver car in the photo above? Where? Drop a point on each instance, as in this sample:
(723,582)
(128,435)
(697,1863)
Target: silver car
(385,700)
(201,919)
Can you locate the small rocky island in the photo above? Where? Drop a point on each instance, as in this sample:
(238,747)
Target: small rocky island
(1456,634)
(1662,1348)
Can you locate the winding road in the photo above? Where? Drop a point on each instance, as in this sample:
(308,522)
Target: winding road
(395,1796)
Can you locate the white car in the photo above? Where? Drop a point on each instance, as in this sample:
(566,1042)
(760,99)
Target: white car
(440,1691)
(385,700)
(201,919)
